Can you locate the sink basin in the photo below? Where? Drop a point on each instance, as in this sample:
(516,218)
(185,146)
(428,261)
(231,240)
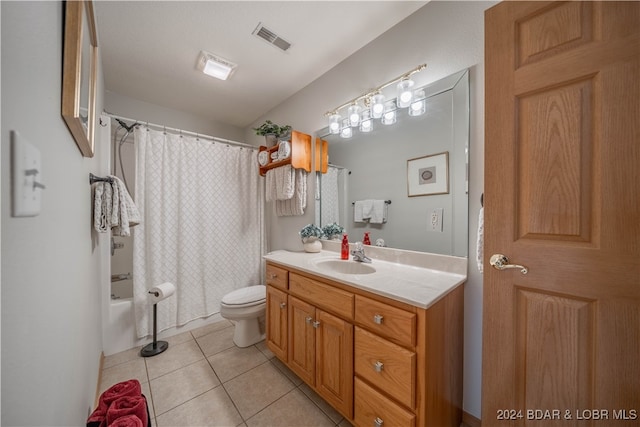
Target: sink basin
(345,267)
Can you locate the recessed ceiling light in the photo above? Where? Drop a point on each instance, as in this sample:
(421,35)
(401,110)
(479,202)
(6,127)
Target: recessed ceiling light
(215,66)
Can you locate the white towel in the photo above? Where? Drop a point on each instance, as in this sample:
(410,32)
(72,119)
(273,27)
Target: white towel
(297,204)
(127,212)
(270,186)
(285,182)
(378,212)
(480,241)
(101,207)
(358,211)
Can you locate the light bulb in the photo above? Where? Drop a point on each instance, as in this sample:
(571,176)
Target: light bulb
(405,95)
(377,105)
(418,106)
(346,131)
(354,115)
(334,123)
(366,125)
(389,115)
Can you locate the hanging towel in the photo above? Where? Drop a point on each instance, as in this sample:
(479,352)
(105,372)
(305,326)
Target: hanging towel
(480,241)
(297,204)
(378,211)
(270,186)
(285,182)
(358,211)
(127,212)
(101,207)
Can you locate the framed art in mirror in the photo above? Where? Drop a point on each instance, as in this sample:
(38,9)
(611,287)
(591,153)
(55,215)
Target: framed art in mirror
(428,175)
(79,73)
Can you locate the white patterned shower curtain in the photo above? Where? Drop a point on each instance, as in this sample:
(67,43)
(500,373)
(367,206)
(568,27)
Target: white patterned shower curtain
(202,225)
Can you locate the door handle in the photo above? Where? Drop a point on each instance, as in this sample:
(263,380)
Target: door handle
(501,262)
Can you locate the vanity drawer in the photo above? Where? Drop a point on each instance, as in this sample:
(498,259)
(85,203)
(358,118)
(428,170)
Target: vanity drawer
(394,323)
(278,277)
(387,366)
(324,296)
(373,409)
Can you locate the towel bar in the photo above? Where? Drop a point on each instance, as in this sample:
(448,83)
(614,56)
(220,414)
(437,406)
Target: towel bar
(388,202)
(93,179)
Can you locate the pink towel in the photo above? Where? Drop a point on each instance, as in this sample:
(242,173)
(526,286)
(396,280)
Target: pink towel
(128,405)
(116,391)
(127,421)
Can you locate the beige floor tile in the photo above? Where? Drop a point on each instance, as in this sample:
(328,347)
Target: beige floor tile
(328,410)
(217,341)
(288,372)
(258,388)
(293,409)
(147,393)
(179,386)
(178,339)
(262,346)
(123,356)
(213,327)
(213,408)
(134,369)
(175,357)
(232,362)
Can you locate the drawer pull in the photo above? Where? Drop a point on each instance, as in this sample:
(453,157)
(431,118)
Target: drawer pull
(308,320)
(378,366)
(316,324)
(378,318)
(378,422)
(283,304)
(274,276)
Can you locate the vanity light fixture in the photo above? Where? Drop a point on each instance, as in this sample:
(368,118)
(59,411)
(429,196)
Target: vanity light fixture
(215,66)
(375,106)
(419,104)
(346,131)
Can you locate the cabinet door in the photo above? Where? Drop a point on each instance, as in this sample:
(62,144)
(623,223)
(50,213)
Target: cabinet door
(302,349)
(334,369)
(277,322)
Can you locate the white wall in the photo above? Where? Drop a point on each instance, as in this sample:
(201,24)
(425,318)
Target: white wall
(51,312)
(448,36)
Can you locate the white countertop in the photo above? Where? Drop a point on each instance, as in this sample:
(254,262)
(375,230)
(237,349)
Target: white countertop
(415,285)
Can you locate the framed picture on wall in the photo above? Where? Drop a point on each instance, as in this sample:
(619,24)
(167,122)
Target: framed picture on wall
(428,175)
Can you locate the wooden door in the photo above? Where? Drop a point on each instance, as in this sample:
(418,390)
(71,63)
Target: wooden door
(562,195)
(302,346)
(334,369)
(277,322)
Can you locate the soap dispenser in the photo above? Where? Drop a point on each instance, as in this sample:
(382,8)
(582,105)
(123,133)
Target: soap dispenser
(366,240)
(344,253)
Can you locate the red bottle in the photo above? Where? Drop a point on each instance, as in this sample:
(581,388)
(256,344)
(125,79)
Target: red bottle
(344,253)
(366,240)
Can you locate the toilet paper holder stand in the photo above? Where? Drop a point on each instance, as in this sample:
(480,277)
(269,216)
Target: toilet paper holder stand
(155,347)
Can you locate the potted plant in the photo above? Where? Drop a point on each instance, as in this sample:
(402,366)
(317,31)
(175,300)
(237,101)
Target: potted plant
(272,132)
(311,235)
(333,231)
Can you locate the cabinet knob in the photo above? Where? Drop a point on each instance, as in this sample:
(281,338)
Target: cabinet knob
(308,319)
(378,318)
(274,275)
(378,422)
(378,366)
(283,304)
(316,324)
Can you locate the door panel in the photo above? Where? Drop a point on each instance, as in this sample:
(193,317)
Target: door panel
(302,348)
(276,323)
(562,153)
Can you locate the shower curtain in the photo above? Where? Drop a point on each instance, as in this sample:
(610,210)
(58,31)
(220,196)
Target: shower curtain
(330,201)
(202,229)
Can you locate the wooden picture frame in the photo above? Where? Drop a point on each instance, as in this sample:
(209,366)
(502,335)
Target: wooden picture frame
(428,175)
(79,73)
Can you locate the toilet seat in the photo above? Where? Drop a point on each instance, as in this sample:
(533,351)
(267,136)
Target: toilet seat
(246,297)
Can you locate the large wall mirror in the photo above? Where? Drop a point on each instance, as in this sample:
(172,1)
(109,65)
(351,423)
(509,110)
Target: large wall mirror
(383,165)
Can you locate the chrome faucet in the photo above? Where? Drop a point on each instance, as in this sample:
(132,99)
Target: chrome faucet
(358,254)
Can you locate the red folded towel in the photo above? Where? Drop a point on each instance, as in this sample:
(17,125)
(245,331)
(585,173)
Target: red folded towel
(127,421)
(116,391)
(128,405)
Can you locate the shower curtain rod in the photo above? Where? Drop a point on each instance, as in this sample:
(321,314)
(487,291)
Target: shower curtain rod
(184,132)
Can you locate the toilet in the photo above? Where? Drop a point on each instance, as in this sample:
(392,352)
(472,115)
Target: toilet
(245,306)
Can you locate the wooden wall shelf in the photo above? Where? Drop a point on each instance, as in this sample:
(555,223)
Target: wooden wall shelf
(300,157)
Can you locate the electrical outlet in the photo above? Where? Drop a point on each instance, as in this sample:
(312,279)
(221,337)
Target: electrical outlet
(435,220)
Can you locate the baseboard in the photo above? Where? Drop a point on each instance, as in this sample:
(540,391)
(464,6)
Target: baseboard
(100,365)
(469,420)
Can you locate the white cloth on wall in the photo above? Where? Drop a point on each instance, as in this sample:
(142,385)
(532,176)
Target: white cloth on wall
(480,241)
(358,211)
(113,208)
(202,230)
(378,213)
(285,182)
(298,203)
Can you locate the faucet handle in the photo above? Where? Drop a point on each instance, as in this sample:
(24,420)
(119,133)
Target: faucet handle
(359,246)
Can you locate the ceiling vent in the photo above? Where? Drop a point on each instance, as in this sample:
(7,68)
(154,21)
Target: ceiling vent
(270,37)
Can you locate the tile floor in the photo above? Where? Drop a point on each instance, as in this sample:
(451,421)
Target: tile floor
(203,379)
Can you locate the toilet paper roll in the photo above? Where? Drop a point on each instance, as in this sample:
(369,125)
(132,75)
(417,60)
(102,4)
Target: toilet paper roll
(160,292)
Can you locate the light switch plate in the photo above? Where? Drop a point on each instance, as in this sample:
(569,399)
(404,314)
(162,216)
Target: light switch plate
(436,219)
(26,177)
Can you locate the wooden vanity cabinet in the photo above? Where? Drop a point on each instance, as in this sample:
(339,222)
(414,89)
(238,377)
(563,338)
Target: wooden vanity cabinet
(377,361)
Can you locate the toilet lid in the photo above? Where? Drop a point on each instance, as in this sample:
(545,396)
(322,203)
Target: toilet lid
(244,296)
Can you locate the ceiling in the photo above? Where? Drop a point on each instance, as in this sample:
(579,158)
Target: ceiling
(149,49)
